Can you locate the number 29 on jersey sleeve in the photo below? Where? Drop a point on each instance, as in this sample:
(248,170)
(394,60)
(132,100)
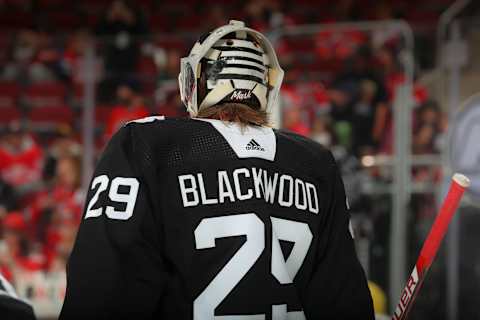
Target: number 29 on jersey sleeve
(128,199)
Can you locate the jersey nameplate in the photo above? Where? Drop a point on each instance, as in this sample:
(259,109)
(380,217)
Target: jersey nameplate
(252,142)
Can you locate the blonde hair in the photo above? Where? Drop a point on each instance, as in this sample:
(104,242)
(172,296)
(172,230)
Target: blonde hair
(235,112)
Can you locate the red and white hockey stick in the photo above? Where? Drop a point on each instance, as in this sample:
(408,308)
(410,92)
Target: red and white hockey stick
(430,247)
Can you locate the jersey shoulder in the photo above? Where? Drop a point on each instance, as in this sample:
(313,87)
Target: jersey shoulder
(175,141)
(145,127)
(304,146)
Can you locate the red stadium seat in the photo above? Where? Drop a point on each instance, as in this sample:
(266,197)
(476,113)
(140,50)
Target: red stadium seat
(171,43)
(159,22)
(9,114)
(9,92)
(46,94)
(64,20)
(18,20)
(187,23)
(51,116)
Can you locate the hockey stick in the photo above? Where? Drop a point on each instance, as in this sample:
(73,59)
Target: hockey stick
(430,247)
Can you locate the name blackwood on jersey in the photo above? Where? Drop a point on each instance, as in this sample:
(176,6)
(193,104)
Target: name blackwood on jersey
(284,189)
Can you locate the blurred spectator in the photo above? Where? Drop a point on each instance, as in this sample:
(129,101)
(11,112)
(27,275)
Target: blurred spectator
(428,114)
(76,47)
(322,131)
(390,70)
(34,58)
(58,207)
(261,14)
(17,253)
(130,106)
(169,67)
(23,53)
(21,159)
(363,116)
(423,139)
(122,29)
(64,195)
(8,198)
(47,63)
(294,120)
(65,145)
(358,70)
(341,98)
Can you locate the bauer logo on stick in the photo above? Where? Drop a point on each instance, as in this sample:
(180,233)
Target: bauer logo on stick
(407,295)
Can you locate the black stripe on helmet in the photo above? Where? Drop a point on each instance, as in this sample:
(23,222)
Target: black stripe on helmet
(258,53)
(231,76)
(244,66)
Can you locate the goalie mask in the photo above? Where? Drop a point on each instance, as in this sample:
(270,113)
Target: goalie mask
(231,64)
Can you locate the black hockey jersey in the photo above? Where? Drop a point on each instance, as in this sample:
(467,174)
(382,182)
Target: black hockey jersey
(199,219)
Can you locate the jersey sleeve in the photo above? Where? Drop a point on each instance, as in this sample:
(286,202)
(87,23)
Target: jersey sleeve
(339,288)
(11,306)
(115,270)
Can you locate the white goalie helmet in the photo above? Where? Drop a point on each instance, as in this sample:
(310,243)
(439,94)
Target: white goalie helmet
(232,64)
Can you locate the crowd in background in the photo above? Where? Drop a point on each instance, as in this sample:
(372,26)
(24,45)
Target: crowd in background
(339,90)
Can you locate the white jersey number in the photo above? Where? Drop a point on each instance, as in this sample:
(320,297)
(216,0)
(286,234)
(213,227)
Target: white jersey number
(129,199)
(253,228)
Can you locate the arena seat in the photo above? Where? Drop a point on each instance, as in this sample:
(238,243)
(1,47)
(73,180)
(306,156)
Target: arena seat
(65,20)
(50,116)
(18,20)
(9,114)
(45,94)
(9,93)
(159,22)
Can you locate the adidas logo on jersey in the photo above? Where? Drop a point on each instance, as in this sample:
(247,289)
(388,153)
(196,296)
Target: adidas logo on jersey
(241,95)
(253,145)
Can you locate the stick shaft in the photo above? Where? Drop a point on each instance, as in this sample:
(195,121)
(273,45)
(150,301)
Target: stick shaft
(430,246)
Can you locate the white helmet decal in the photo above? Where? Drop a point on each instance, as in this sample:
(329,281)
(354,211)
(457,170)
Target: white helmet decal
(238,69)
